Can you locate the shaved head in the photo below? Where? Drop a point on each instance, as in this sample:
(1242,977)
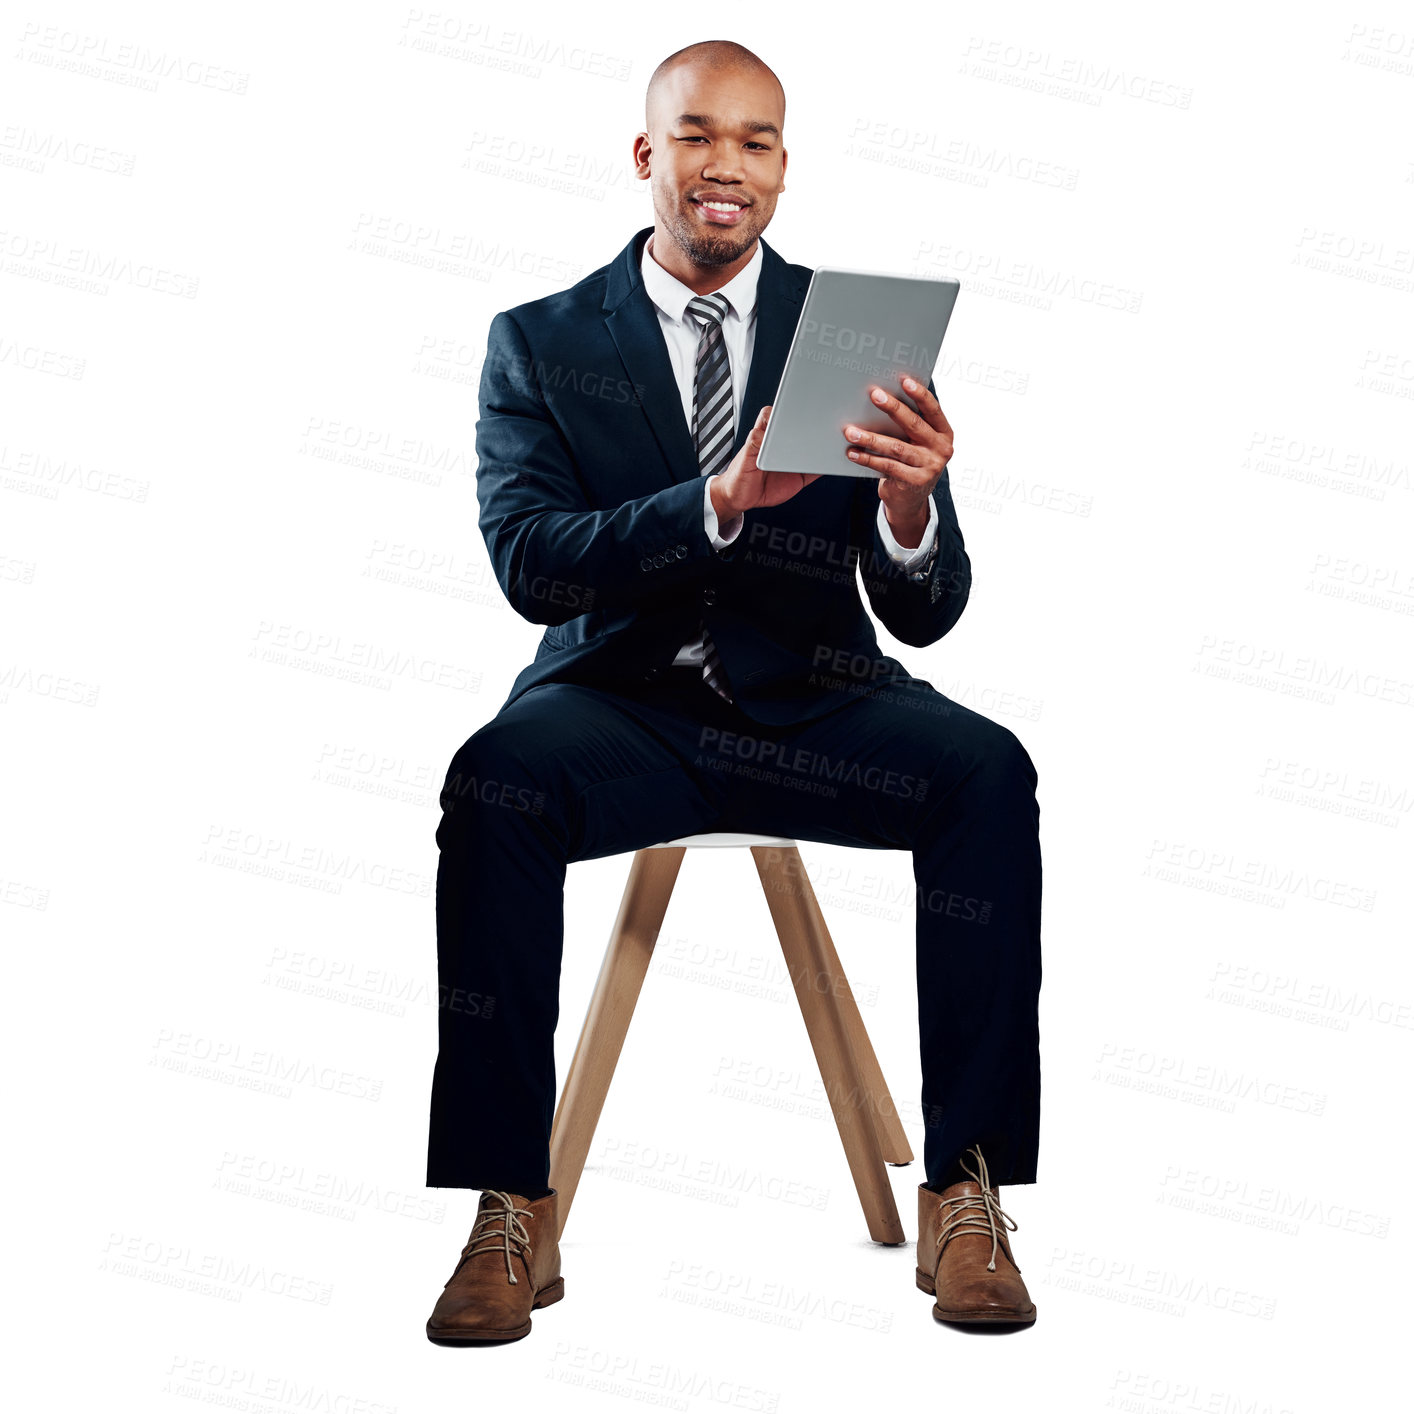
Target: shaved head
(713,57)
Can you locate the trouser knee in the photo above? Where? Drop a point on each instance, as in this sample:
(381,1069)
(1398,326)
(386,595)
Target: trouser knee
(489,774)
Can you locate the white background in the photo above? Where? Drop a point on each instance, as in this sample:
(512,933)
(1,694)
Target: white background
(249,617)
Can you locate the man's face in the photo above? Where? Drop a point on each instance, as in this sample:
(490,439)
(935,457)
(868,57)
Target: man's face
(706,143)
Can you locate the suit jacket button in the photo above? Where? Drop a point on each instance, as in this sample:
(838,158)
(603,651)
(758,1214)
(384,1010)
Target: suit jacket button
(659,561)
(681,552)
(709,596)
(645,563)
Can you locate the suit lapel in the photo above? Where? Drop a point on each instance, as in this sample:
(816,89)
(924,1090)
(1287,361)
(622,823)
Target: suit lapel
(632,321)
(779,296)
(634,328)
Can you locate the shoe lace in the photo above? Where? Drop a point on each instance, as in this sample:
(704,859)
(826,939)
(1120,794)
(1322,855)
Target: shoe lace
(969,1210)
(498,1225)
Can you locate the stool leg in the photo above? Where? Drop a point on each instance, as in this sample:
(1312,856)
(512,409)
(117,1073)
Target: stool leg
(807,958)
(892,1139)
(651,877)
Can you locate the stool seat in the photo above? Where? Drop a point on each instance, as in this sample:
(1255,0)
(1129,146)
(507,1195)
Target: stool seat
(723,839)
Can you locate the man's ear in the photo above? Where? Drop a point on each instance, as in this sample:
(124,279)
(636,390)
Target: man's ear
(642,156)
(784,156)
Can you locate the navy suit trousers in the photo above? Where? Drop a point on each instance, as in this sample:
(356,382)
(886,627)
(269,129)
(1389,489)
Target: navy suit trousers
(570,772)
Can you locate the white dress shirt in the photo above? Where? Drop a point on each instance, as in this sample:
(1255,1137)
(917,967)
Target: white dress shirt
(682,333)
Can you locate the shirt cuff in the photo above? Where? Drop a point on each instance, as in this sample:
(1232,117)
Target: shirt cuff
(720,538)
(909,559)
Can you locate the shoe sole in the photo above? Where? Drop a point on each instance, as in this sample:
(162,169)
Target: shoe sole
(983,1316)
(546,1297)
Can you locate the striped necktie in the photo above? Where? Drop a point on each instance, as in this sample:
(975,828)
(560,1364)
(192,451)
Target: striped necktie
(713,431)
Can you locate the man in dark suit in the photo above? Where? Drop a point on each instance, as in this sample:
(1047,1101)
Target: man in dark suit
(703,619)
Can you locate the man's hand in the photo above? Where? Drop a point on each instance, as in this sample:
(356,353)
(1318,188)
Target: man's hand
(743,485)
(910,466)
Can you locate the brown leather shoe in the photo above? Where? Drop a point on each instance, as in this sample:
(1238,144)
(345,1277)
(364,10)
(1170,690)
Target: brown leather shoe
(964,1259)
(509,1266)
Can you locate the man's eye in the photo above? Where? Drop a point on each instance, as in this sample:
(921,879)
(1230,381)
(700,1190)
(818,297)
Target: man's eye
(699,138)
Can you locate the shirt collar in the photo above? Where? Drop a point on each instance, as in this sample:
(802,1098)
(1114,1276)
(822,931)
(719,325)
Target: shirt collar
(671,295)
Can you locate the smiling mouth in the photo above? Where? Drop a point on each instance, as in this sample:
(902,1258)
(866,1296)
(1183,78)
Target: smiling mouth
(723,212)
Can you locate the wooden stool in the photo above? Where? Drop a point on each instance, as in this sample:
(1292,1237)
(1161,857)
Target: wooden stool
(863,1108)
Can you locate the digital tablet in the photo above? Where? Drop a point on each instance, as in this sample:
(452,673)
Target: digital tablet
(855,329)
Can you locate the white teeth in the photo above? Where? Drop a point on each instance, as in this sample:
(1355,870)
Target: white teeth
(720,205)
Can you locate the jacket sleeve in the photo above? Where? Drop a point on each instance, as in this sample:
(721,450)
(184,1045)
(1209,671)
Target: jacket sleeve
(917,607)
(554,555)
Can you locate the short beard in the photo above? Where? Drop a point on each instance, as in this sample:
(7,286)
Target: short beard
(707,249)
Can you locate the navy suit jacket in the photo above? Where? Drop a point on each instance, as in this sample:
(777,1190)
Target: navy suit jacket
(591,504)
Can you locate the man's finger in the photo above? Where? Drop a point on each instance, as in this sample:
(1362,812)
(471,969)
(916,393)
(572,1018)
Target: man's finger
(882,445)
(928,405)
(893,470)
(919,429)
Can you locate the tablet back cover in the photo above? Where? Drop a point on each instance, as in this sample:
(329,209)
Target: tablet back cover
(855,329)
